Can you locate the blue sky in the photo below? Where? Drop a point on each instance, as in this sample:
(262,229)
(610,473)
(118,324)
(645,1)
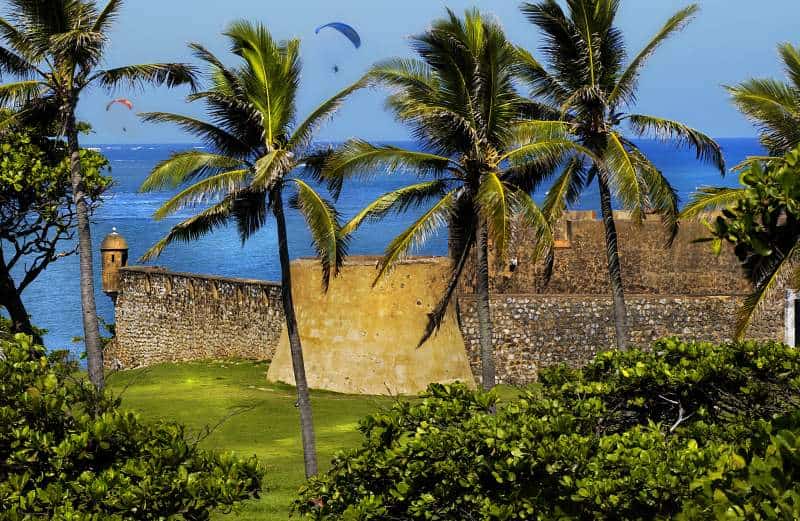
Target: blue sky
(729,41)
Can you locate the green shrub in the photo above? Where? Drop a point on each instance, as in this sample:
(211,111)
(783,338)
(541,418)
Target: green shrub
(68,452)
(635,435)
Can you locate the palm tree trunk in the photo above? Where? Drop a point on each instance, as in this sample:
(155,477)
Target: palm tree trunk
(91,327)
(614,268)
(303,398)
(488,376)
(11,300)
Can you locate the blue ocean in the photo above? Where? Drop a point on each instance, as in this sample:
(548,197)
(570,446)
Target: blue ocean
(53,300)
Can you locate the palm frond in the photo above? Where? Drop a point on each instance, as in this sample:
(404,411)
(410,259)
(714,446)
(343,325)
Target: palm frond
(406,74)
(625,88)
(542,83)
(669,131)
(185,166)
(80,46)
(399,200)
(360,158)
(250,211)
(662,198)
(494,205)
(791,62)
(710,199)
(416,234)
(546,149)
(565,190)
(436,316)
(782,269)
(271,75)
(193,228)
(532,217)
(304,132)
(20,93)
(107,16)
(210,188)
(20,42)
(323,223)
(149,74)
(750,160)
(530,131)
(623,177)
(774,108)
(211,135)
(271,168)
(15,65)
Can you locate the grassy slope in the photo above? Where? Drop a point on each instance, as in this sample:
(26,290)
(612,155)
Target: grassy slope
(202,394)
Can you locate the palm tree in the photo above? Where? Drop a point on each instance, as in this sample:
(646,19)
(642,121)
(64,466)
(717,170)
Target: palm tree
(54,49)
(475,150)
(256,148)
(586,86)
(774,106)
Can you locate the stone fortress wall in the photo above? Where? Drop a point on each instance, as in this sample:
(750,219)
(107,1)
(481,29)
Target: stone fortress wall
(163,316)
(683,290)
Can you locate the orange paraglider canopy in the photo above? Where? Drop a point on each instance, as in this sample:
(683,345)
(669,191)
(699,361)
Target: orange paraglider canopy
(121,101)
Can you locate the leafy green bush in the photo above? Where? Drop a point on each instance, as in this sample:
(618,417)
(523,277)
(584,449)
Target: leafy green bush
(635,435)
(68,452)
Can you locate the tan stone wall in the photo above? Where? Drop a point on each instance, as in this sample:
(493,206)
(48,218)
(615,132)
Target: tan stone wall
(165,317)
(363,339)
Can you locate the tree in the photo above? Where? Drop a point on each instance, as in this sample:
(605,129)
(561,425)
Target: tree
(773,106)
(473,129)
(37,211)
(761,220)
(70,451)
(586,86)
(257,149)
(54,50)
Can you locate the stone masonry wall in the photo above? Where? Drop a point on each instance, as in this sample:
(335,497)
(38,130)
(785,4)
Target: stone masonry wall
(533,331)
(165,317)
(681,290)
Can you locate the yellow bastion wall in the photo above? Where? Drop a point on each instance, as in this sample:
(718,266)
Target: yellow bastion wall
(360,339)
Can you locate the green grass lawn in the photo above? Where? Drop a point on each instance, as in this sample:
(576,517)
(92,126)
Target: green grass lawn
(199,395)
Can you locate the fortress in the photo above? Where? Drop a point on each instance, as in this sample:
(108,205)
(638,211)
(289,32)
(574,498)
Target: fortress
(684,290)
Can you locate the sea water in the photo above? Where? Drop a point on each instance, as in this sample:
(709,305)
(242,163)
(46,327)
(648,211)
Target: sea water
(53,300)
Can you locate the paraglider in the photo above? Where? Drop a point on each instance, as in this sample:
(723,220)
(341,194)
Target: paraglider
(121,101)
(347,30)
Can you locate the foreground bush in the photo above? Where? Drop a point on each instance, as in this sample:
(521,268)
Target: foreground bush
(67,452)
(688,430)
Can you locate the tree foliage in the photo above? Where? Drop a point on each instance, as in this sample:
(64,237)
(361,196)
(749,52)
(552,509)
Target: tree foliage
(37,210)
(69,452)
(635,435)
(762,223)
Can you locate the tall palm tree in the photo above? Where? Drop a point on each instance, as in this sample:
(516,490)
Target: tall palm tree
(54,50)
(459,100)
(774,106)
(586,85)
(256,148)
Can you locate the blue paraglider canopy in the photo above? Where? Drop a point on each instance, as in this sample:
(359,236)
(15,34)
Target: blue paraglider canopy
(345,29)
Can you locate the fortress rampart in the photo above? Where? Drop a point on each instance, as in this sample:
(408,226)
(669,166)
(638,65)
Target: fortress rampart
(683,290)
(163,316)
